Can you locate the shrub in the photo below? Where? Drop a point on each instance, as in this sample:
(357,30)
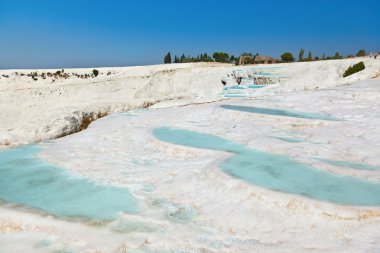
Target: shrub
(361,53)
(354,69)
(287,57)
(87,118)
(301,54)
(221,57)
(310,56)
(168,58)
(95,72)
(337,56)
(34,76)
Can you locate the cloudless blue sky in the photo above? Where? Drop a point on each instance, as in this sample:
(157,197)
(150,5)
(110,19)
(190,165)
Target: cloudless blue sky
(79,33)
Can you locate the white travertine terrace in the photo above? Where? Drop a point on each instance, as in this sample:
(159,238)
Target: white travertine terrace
(230,214)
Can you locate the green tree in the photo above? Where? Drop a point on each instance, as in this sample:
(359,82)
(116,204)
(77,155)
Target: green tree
(168,58)
(176,59)
(221,57)
(310,56)
(354,69)
(323,57)
(300,55)
(337,56)
(232,59)
(287,57)
(183,58)
(361,53)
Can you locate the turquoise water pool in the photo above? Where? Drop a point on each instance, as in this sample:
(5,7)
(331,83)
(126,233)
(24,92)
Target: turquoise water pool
(279,112)
(256,86)
(278,172)
(27,180)
(236,87)
(240,91)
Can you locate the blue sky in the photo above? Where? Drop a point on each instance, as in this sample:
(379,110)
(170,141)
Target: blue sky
(79,33)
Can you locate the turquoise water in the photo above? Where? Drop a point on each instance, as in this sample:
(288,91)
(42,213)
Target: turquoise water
(236,87)
(235,95)
(239,91)
(196,140)
(277,172)
(256,86)
(352,165)
(27,180)
(279,112)
(264,74)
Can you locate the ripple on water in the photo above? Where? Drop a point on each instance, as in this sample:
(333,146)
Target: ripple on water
(278,172)
(25,179)
(279,112)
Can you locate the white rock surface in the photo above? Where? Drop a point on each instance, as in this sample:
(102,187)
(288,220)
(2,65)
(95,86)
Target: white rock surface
(37,110)
(231,215)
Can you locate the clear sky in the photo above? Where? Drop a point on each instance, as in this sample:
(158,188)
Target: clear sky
(80,33)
